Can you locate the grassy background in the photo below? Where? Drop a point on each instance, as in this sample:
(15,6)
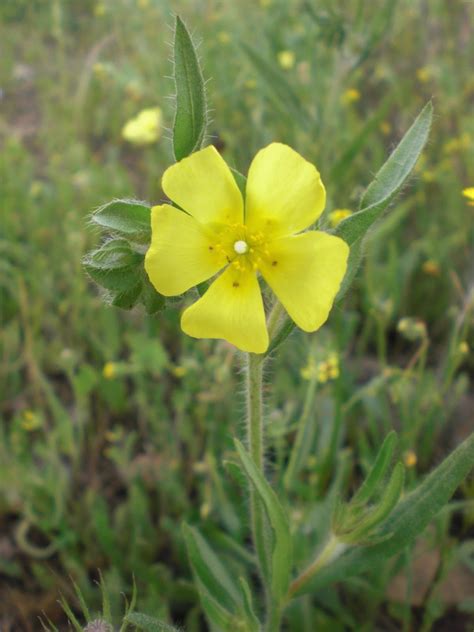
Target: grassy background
(113,424)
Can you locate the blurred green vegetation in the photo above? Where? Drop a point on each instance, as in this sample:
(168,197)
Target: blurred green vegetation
(114,424)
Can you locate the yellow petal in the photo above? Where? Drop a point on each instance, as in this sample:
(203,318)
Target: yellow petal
(284,192)
(203,185)
(232,309)
(181,253)
(305,272)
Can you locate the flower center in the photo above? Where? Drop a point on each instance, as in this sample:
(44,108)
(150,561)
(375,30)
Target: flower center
(241,247)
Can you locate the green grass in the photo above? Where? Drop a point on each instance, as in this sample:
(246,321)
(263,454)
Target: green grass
(99,469)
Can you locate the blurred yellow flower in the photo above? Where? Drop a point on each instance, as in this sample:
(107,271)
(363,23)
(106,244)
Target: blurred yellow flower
(463,348)
(265,3)
(424,74)
(100,9)
(457,144)
(322,371)
(385,128)
(336,216)
(412,328)
(145,128)
(431,268)
(179,371)
(31,421)
(351,95)
(109,371)
(410,459)
(469,194)
(223,37)
(286,59)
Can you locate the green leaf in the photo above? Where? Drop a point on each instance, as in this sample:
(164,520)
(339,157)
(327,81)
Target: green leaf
(388,501)
(150,298)
(191,111)
(148,624)
(389,180)
(128,298)
(253,622)
(282,555)
(117,280)
(378,470)
(115,253)
(387,183)
(408,520)
(210,572)
(128,217)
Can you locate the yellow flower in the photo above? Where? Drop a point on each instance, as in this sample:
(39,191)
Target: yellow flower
(109,370)
(284,195)
(385,128)
(336,216)
(410,458)
(350,96)
(469,194)
(463,348)
(179,371)
(286,59)
(30,421)
(431,268)
(423,74)
(223,37)
(145,128)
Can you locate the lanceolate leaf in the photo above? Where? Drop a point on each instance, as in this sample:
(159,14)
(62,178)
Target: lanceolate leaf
(127,217)
(389,180)
(210,572)
(281,557)
(378,470)
(408,520)
(191,112)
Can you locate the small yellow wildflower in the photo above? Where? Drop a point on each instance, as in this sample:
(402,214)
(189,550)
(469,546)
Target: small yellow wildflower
(431,268)
(286,59)
(424,74)
(31,421)
(410,459)
(179,371)
(385,128)
(412,328)
(36,189)
(458,144)
(336,216)
(309,371)
(469,194)
(145,128)
(463,348)
(109,371)
(351,95)
(223,37)
(333,366)
(428,175)
(100,9)
(284,195)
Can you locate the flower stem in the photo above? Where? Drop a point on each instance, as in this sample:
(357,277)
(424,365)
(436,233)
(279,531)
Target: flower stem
(254,385)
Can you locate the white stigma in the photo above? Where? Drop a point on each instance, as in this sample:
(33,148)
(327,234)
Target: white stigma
(241,247)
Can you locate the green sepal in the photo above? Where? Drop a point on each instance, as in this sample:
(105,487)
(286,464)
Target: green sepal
(127,299)
(191,110)
(152,301)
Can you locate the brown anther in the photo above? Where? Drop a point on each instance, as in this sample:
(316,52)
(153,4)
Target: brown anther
(274,263)
(235,284)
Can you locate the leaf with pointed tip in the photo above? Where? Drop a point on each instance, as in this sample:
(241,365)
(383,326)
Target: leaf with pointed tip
(127,217)
(191,111)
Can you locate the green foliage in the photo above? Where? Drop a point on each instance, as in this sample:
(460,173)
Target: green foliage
(113,425)
(190,120)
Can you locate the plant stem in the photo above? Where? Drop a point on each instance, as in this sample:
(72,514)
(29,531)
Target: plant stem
(332,549)
(255,443)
